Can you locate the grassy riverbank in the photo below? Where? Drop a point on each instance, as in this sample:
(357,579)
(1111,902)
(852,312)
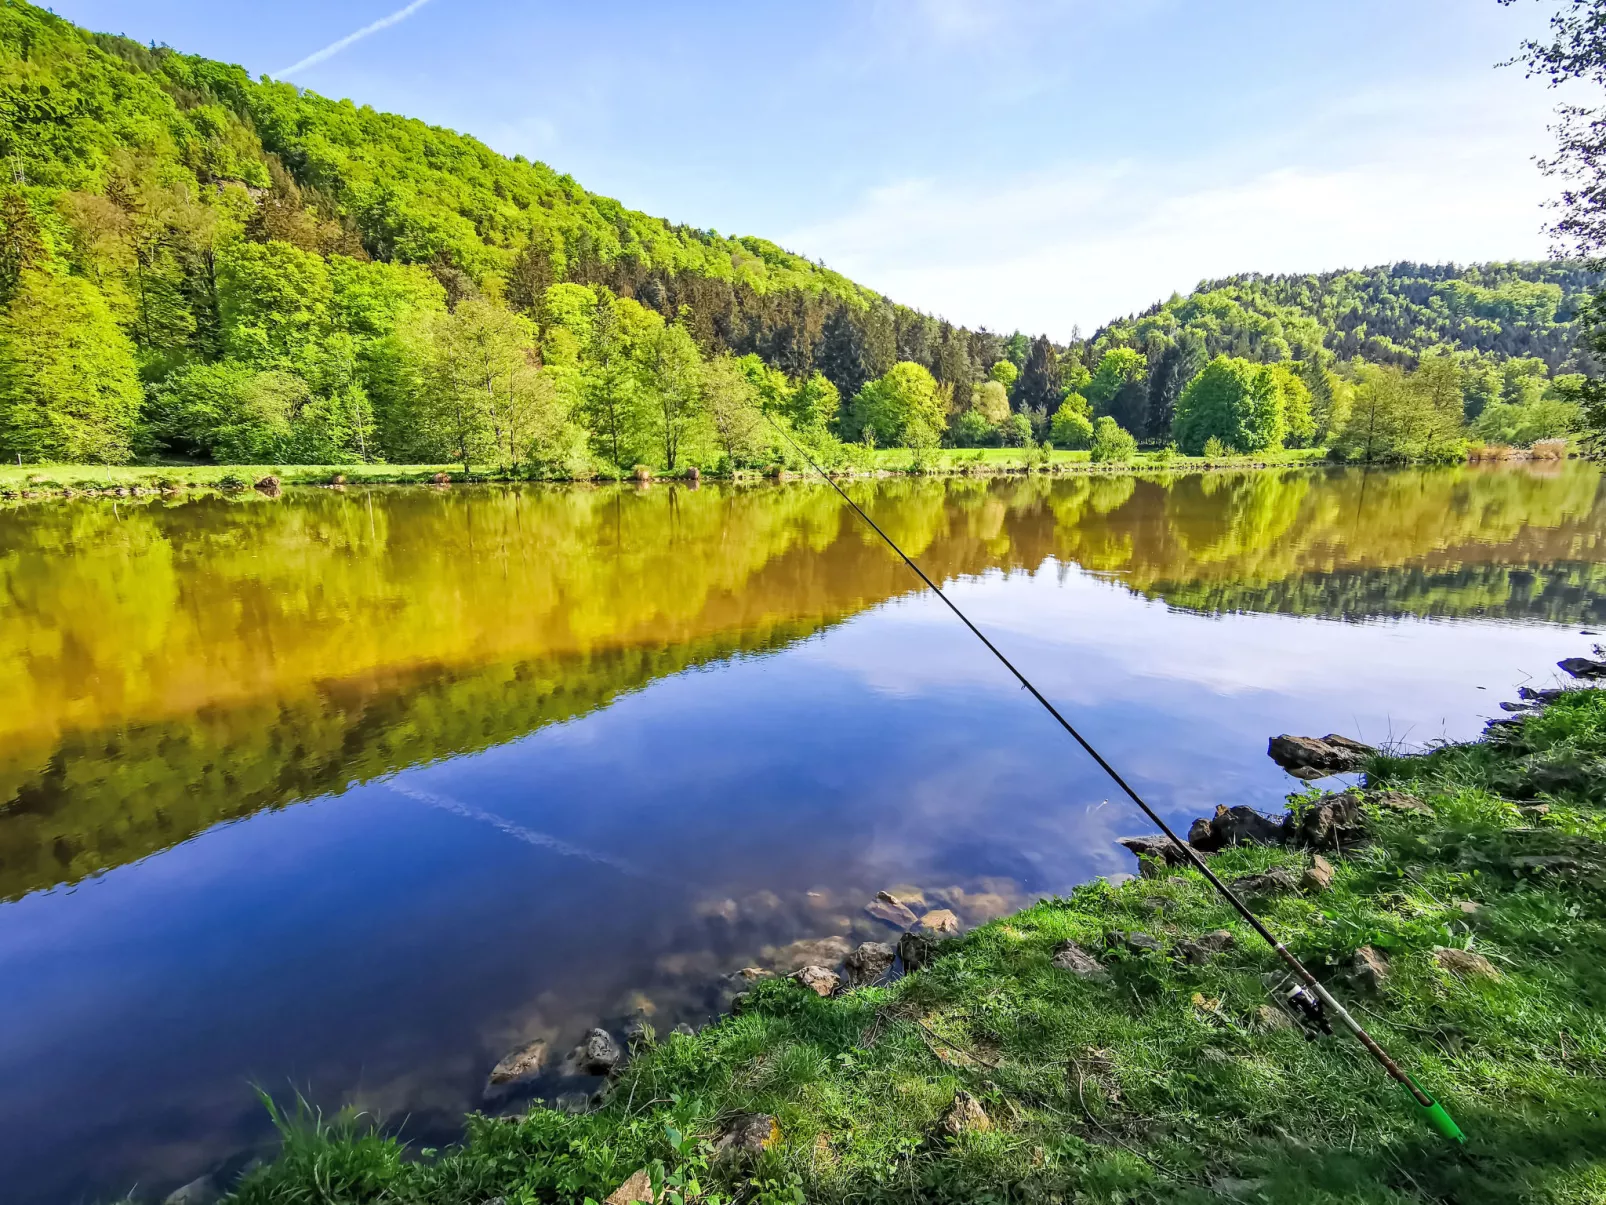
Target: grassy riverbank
(1157,1080)
(47,479)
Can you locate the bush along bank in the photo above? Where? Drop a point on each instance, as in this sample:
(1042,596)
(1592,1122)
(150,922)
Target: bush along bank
(1132,1042)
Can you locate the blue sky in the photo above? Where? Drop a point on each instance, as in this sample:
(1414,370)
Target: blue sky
(1010,163)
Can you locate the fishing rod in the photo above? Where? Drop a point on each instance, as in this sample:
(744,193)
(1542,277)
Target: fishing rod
(1433,1112)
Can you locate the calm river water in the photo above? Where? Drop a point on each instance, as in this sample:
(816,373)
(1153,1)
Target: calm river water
(349,793)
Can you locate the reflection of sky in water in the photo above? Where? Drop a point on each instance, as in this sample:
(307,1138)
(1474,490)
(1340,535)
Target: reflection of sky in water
(386,946)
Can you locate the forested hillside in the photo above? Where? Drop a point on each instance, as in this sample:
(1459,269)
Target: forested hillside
(194,264)
(1388,315)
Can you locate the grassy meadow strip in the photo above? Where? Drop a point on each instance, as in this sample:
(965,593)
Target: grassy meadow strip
(54,479)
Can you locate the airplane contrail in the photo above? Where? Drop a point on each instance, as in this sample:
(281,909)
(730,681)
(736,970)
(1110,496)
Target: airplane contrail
(542,840)
(334,48)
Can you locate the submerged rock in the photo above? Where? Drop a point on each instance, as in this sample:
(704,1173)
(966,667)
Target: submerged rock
(892,911)
(869,962)
(818,980)
(1310,757)
(525,1061)
(940,921)
(202,1191)
(684,1030)
(814,951)
(1154,851)
(1540,696)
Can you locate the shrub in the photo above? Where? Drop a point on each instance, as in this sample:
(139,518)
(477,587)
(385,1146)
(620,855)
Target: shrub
(1017,431)
(1071,427)
(1214,449)
(1550,449)
(1112,443)
(972,429)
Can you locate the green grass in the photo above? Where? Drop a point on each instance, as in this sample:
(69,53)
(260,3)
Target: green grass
(55,477)
(45,479)
(1164,1082)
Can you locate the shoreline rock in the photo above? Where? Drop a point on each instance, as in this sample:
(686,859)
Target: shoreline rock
(1311,757)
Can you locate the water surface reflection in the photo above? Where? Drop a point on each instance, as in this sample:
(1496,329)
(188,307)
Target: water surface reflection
(567,750)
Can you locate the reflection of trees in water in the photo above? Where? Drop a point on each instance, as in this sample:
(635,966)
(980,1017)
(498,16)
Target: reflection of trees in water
(1573,594)
(170,665)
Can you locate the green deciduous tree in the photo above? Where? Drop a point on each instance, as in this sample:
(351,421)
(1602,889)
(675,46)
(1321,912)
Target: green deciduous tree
(1399,417)
(1294,401)
(971,429)
(275,301)
(894,404)
(992,399)
(68,385)
(1120,387)
(1231,400)
(738,423)
(1112,442)
(815,404)
(1072,425)
(673,391)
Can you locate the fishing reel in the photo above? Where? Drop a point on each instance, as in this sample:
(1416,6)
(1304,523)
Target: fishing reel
(1312,1014)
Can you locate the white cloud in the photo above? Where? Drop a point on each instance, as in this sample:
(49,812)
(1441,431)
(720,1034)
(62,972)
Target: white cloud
(1435,173)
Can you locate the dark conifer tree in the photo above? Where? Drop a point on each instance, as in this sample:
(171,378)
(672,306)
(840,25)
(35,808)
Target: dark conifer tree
(841,354)
(954,367)
(1039,384)
(880,329)
(1178,364)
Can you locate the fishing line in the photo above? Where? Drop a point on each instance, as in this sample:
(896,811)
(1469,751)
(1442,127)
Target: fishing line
(1434,1112)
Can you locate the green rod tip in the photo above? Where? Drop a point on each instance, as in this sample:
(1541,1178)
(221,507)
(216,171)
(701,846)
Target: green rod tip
(1444,1123)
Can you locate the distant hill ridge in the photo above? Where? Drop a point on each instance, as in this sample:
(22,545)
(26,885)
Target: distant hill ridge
(1388,314)
(176,214)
